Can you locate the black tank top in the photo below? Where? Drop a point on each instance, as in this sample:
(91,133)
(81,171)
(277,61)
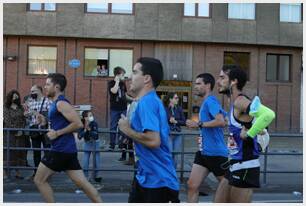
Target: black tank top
(247,125)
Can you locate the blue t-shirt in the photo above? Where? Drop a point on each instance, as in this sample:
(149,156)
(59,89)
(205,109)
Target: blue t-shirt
(64,143)
(213,143)
(155,166)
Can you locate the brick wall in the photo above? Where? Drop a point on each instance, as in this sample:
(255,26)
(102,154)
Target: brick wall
(283,98)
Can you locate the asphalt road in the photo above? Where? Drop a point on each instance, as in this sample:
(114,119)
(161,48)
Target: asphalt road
(123,197)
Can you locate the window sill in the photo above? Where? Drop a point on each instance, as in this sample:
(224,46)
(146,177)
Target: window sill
(278,83)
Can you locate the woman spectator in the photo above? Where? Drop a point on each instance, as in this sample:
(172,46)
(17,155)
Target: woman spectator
(176,119)
(13,117)
(92,143)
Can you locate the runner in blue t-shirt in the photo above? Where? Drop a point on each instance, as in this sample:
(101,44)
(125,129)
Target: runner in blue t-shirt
(63,156)
(155,180)
(213,154)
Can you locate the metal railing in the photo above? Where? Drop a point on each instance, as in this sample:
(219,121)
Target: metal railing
(182,170)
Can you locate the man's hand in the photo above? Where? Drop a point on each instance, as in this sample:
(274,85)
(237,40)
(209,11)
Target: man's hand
(124,124)
(243,133)
(52,134)
(191,124)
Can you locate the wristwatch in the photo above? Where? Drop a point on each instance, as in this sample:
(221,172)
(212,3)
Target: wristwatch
(200,124)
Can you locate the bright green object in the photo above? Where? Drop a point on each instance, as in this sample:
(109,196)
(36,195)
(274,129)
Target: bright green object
(263,115)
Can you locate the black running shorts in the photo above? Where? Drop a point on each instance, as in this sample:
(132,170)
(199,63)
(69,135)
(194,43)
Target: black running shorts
(140,194)
(59,161)
(215,164)
(244,178)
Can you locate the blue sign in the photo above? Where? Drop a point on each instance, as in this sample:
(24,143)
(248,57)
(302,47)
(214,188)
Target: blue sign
(74,63)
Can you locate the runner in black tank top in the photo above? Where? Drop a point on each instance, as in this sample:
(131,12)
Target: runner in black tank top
(63,155)
(244,167)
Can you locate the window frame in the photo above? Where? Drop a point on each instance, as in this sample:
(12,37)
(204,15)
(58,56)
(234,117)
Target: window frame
(196,15)
(109,10)
(240,19)
(42,9)
(39,45)
(109,71)
(277,68)
(249,66)
(301,20)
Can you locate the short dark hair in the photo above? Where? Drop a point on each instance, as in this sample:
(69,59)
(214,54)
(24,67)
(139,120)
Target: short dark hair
(58,78)
(235,72)
(9,98)
(118,70)
(153,67)
(208,79)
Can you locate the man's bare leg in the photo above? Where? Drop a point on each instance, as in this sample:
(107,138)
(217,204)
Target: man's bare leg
(223,191)
(197,175)
(241,195)
(40,180)
(78,177)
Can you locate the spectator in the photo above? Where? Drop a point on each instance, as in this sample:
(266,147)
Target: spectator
(37,104)
(13,117)
(176,119)
(118,103)
(102,70)
(92,143)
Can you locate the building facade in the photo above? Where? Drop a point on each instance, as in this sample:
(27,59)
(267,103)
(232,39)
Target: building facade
(264,39)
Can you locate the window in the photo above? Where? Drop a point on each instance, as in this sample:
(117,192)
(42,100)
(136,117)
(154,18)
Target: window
(241,11)
(41,60)
(114,8)
(189,9)
(122,58)
(122,8)
(99,8)
(101,62)
(239,58)
(290,13)
(96,62)
(278,67)
(196,9)
(42,7)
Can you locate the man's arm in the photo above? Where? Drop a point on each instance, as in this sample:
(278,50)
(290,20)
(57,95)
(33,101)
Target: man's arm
(148,138)
(70,114)
(241,104)
(115,88)
(263,115)
(217,122)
